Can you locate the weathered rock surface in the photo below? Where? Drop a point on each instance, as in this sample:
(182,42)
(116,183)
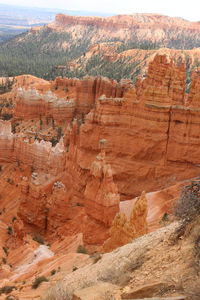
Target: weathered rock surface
(148,290)
(139,23)
(124,230)
(150,137)
(101,198)
(61,99)
(97,292)
(70,194)
(151,130)
(135,268)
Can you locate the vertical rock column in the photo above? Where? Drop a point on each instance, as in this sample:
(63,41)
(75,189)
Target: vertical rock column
(124,230)
(101,199)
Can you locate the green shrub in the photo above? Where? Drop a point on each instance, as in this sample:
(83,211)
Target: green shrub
(10,180)
(53,272)
(188,206)
(14,219)
(7,117)
(38,281)
(5,250)
(11,297)
(39,239)
(54,141)
(81,249)
(4,261)
(96,257)
(9,230)
(7,289)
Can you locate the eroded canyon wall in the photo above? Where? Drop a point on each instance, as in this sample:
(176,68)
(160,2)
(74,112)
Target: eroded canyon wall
(152,134)
(62,99)
(151,131)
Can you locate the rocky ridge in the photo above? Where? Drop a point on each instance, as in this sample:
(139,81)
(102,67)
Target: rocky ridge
(139,22)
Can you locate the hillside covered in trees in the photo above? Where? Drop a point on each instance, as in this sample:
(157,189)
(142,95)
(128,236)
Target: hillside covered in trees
(48,51)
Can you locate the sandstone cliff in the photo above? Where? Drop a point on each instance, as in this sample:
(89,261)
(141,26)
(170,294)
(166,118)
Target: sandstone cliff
(149,146)
(62,99)
(136,140)
(140,23)
(65,193)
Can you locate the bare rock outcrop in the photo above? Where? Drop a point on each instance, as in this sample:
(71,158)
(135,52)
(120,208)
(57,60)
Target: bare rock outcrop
(61,99)
(152,27)
(124,230)
(151,128)
(101,198)
(151,136)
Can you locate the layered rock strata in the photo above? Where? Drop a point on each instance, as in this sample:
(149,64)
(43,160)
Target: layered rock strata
(61,100)
(124,230)
(101,199)
(148,27)
(151,129)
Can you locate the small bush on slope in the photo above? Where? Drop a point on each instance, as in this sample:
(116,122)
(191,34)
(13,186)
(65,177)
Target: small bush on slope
(188,206)
(81,249)
(38,281)
(7,289)
(39,239)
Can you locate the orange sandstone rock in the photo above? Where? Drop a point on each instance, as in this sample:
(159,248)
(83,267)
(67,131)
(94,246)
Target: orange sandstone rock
(151,133)
(124,230)
(101,196)
(152,27)
(61,99)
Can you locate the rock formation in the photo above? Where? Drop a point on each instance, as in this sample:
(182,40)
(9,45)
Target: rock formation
(123,230)
(193,99)
(38,154)
(101,199)
(149,145)
(6,141)
(139,23)
(55,183)
(61,100)
(135,139)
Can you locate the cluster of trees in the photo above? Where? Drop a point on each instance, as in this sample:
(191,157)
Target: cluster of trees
(97,65)
(134,43)
(182,41)
(39,53)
